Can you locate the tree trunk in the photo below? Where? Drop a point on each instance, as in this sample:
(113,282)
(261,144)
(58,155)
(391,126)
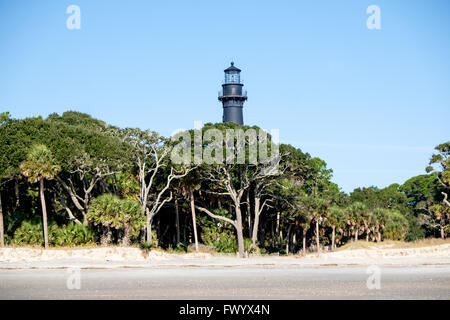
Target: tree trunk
(304,241)
(126,235)
(378,236)
(317,236)
(442,232)
(158,231)
(177,220)
(367,236)
(277,229)
(85,220)
(106,236)
(239,231)
(16,192)
(356,235)
(249,215)
(44,212)
(148,227)
(194,220)
(261,232)
(184,230)
(288,238)
(333,238)
(2,235)
(144,212)
(256,222)
(294,242)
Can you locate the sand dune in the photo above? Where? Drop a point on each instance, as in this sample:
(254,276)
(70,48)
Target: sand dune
(110,257)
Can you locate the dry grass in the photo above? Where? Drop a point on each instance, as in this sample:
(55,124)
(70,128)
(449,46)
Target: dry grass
(390,244)
(361,244)
(92,246)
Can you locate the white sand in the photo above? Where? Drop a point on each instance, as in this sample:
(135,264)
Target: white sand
(113,257)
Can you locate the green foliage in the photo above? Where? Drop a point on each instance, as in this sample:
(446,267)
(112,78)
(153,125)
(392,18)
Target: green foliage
(225,245)
(128,185)
(146,246)
(76,140)
(4,117)
(212,230)
(179,248)
(336,217)
(440,165)
(396,226)
(95,160)
(390,197)
(72,234)
(182,247)
(40,164)
(110,211)
(229,245)
(31,233)
(14,220)
(415,232)
(420,189)
(80,120)
(220,235)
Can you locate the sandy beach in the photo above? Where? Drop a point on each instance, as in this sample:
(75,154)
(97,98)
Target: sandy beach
(117,257)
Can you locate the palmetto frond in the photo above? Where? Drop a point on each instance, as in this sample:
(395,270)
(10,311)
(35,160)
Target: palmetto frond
(40,164)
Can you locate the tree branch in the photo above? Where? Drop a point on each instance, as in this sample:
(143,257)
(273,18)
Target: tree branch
(212,215)
(446,202)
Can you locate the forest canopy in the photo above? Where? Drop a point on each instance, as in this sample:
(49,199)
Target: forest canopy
(71,180)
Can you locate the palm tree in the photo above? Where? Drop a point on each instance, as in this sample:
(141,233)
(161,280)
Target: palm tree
(396,225)
(378,222)
(320,210)
(354,217)
(109,211)
(335,220)
(189,184)
(305,227)
(177,189)
(304,215)
(40,166)
(366,219)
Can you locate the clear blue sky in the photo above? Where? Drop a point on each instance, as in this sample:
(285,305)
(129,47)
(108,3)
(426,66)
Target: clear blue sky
(371,103)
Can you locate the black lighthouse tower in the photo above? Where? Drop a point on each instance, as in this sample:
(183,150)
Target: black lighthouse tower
(232,96)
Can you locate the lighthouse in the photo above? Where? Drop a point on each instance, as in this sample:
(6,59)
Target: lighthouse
(232,96)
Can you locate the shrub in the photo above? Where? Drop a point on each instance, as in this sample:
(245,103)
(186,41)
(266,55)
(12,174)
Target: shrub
(182,247)
(31,233)
(229,245)
(415,232)
(146,246)
(225,245)
(14,220)
(219,234)
(71,234)
(109,211)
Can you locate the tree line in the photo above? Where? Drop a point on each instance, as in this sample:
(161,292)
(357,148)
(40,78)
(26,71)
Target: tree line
(71,179)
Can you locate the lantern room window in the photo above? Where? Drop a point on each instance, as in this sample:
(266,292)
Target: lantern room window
(232,77)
